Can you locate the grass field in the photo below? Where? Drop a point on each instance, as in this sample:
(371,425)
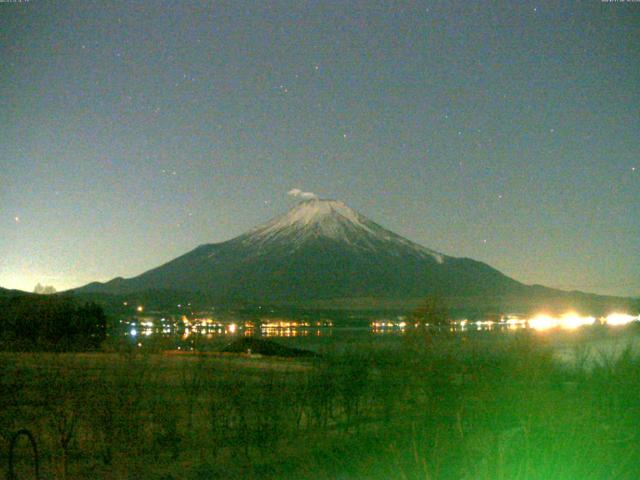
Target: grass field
(493,406)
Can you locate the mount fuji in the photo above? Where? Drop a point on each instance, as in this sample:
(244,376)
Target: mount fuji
(321,250)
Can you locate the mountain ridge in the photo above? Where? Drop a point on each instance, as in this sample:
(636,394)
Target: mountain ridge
(318,251)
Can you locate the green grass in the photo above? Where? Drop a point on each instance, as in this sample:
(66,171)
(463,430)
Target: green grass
(486,407)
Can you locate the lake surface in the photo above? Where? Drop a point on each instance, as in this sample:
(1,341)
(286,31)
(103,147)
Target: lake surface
(573,338)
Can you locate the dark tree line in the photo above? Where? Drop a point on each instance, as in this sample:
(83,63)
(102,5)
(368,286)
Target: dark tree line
(36,322)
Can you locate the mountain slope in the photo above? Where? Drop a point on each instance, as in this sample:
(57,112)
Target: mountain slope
(320,249)
(4,292)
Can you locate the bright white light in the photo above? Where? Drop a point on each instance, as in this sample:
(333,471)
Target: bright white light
(542,322)
(620,319)
(232,328)
(515,321)
(140,308)
(571,321)
(568,321)
(133,332)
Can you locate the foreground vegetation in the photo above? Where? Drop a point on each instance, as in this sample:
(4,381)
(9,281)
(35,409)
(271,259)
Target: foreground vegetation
(496,407)
(50,323)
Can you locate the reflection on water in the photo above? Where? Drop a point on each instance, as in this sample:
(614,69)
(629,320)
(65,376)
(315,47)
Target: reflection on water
(204,327)
(186,328)
(540,322)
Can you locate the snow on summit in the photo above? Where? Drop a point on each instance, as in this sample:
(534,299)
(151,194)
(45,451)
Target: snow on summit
(332,219)
(313,211)
(315,217)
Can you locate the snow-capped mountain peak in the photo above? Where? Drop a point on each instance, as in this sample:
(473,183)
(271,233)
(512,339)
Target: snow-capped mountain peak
(331,219)
(313,212)
(318,250)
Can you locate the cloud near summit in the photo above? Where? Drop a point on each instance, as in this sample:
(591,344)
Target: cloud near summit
(296,192)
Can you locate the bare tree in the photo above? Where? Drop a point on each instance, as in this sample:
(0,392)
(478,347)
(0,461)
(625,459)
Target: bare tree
(44,290)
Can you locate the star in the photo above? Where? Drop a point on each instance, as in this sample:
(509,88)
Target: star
(16,219)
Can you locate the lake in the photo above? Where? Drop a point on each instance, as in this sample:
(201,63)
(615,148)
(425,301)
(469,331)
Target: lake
(572,337)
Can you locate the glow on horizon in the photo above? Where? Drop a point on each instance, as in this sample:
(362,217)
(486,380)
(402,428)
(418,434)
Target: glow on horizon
(26,281)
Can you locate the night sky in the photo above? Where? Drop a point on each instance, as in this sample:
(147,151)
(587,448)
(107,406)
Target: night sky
(508,132)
